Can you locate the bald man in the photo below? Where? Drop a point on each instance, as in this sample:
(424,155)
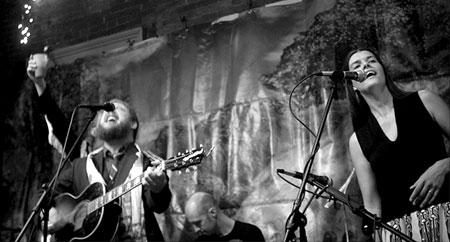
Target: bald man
(212,224)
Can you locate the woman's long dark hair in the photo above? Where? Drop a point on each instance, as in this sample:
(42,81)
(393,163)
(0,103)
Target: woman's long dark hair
(358,106)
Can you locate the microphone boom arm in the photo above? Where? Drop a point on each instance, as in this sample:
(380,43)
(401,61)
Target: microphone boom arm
(357,208)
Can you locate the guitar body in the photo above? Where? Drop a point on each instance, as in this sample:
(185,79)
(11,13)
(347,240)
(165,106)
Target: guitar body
(94,215)
(77,225)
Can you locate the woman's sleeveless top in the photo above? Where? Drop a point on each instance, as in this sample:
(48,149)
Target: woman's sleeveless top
(398,164)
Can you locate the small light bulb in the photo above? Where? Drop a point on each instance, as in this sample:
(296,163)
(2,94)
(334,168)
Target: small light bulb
(28,34)
(27,11)
(31,20)
(19,26)
(25,6)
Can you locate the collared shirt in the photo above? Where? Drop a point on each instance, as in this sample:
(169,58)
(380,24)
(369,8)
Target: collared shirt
(111,164)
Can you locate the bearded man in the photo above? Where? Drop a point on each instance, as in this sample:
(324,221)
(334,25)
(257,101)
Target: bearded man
(117,161)
(81,208)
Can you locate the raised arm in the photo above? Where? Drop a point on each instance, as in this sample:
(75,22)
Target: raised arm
(56,121)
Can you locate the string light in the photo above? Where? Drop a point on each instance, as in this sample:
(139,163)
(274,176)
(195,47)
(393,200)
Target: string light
(25,25)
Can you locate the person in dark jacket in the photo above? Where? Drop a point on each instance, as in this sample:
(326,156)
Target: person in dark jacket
(121,215)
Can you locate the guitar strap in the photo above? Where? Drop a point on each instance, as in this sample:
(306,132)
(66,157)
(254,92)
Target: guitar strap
(131,202)
(91,171)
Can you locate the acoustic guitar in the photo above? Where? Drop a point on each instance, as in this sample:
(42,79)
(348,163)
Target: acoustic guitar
(94,215)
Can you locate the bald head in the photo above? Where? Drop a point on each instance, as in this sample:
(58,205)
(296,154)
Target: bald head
(199,203)
(202,211)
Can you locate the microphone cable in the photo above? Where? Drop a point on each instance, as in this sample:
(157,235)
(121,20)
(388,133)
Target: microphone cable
(290,103)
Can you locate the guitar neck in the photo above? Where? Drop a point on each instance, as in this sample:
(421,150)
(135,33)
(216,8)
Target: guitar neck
(175,163)
(115,193)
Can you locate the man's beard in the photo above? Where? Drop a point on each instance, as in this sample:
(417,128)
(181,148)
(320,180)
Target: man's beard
(116,132)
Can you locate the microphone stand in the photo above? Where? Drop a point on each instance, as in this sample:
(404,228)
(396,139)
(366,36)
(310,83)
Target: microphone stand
(43,202)
(357,208)
(297,220)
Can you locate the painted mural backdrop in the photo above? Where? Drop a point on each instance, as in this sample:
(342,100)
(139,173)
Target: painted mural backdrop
(226,85)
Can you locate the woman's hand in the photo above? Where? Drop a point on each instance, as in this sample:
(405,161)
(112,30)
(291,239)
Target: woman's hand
(427,187)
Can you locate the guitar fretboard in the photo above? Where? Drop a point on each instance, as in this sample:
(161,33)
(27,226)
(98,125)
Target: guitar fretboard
(175,163)
(115,193)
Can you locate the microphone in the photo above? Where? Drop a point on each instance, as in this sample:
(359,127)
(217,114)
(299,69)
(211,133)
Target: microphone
(108,107)
(357,75)
(324,180)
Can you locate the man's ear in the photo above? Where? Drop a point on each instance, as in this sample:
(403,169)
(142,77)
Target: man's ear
(134,125)
(93,131)
(213,212)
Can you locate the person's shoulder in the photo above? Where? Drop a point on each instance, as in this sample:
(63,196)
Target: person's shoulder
(241,223)
(206,238)
(250,231)
(428,96)
(432,102)
(247,226)
(353,140)
(78,163)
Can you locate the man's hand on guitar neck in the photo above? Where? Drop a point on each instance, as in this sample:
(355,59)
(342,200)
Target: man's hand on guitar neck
(155,178)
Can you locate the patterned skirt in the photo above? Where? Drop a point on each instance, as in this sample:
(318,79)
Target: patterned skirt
(427,225)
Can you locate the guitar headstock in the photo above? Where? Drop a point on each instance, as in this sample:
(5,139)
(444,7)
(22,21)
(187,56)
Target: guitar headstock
(186,159)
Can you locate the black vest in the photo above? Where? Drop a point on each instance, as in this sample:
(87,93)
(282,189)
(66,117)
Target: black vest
(398,164)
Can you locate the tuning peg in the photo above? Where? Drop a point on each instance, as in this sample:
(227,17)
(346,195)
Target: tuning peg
(179,172)
(195,168)
(179,153)
(187,151)
(201,145)
(187,170)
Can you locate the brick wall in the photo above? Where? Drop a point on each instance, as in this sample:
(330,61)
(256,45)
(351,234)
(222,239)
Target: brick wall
(62,23)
